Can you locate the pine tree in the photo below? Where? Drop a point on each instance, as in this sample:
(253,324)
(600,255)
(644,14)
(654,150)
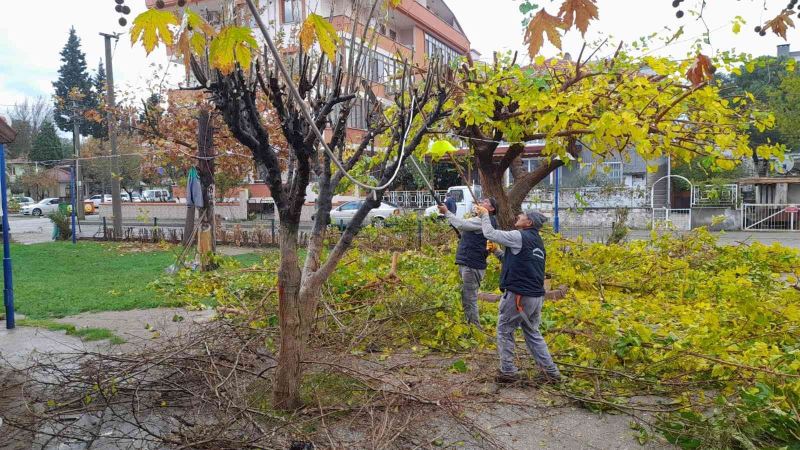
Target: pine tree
(46,145)
(99,129)
(72,75)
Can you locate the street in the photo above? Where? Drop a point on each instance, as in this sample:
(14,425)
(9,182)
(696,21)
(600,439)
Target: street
(32,230)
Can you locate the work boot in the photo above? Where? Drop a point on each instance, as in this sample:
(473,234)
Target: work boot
(507,378)
(546,378)
(476,324)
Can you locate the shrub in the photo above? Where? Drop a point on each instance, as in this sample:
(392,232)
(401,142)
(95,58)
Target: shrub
(63,225)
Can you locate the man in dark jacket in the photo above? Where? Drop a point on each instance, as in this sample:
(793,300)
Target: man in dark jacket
(450,203)
(471,256)
(522,282)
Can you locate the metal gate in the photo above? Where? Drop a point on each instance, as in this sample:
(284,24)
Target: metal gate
(770,217)
(675,219)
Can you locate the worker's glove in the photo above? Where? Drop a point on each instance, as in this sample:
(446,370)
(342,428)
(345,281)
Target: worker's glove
(480,211)
(442,209)
(491,246)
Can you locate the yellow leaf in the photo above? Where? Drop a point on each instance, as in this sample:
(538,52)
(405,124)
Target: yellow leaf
(198,43)
(438,149)
(197,23)
(152,26)
(232,45)
(316,29)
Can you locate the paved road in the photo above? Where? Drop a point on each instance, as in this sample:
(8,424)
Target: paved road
(30,230)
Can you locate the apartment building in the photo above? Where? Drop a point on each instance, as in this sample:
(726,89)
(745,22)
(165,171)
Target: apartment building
(415,30)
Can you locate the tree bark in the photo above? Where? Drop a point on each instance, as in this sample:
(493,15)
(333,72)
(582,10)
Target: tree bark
(509,202)
(205,172)
(188,228)
(297,304)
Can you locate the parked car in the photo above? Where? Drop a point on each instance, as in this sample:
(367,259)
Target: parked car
(100,198)
(342,215)
(45,206)
(156,195)
(23,201)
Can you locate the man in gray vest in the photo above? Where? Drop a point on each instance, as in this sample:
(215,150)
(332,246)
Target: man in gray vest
(471,256)
(522,283)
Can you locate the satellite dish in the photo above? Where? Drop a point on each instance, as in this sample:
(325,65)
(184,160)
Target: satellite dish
(783,167)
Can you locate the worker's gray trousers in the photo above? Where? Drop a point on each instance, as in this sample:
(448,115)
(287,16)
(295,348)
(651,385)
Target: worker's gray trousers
(470,284)
(508,322)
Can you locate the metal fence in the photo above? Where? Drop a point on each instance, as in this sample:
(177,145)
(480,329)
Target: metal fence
(715,195)
(413,199)
(770,217)
(674,219)
(397,233)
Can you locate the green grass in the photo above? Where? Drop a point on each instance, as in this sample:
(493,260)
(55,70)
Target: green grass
(86,334)
(59,279)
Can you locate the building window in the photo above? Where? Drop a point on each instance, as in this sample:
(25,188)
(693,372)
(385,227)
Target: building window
(376,67)
(610,171)
(393,35)
(291,11)
(357,118)
(438,49)
(381,68)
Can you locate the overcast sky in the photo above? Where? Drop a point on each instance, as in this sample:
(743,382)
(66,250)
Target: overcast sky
(33,32)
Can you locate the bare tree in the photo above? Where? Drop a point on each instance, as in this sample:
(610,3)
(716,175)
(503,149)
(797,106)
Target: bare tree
(330,90)
(27,118)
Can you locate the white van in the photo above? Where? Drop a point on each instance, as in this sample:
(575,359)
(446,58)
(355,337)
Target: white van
(463,198)
(156,195)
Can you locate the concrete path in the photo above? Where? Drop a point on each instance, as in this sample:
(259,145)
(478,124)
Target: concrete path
(30,230)
(17,346)
(142,325)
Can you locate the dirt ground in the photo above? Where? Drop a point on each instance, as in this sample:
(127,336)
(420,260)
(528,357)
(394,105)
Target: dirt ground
(480,413)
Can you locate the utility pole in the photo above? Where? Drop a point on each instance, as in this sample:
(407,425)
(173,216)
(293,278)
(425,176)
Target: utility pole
(76,150)
(116,200)
(7,136)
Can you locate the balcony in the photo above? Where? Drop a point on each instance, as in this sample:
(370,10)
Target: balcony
(169,4)
(432,16)
(393,46)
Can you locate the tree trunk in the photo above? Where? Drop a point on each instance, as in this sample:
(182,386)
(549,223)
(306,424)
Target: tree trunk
(297,303)
(188,227)
(206,174)
(492,186)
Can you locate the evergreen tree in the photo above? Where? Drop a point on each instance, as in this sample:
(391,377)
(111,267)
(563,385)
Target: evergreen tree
(73,75)
(99,129)
(46,145)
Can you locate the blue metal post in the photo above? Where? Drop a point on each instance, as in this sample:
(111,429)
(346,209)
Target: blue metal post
(74,202)
(8,285)
(555,202)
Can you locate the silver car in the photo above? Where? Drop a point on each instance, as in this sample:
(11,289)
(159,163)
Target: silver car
(45,206)
(342,215)
(23,201)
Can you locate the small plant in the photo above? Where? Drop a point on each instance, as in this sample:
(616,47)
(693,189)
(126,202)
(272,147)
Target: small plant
(619,228)
(13,205)
(63,225)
